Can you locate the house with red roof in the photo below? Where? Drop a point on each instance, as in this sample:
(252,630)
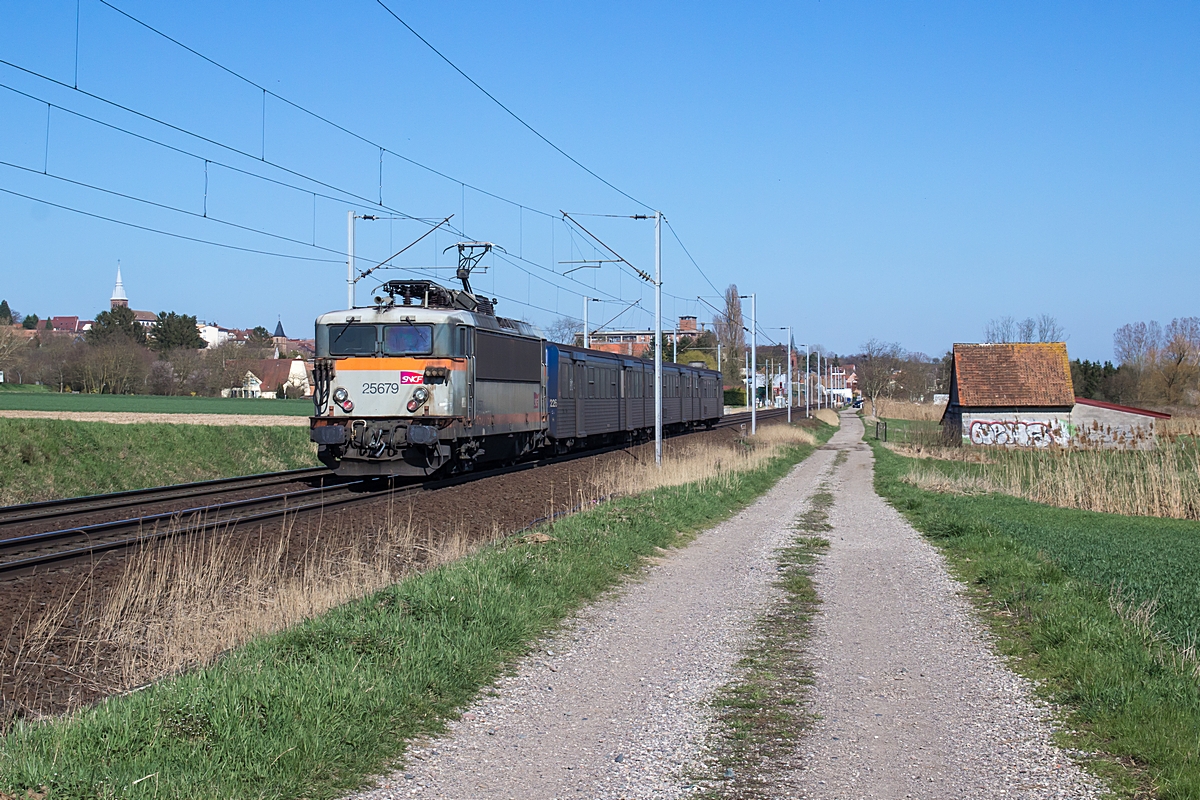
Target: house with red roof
(1021,395)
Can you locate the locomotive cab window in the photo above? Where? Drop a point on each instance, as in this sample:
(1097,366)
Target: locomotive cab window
(352,340)
(407,340)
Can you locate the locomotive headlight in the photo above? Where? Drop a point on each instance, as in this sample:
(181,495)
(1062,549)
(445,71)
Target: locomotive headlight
(419,396)
(340,395)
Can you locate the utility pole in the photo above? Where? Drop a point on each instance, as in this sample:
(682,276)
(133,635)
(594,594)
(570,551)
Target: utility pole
(753,361)
(587,338)
(789,371)
(658,422)
(719,366)
(807,380)
(350,264)
(350,259)
(818,380)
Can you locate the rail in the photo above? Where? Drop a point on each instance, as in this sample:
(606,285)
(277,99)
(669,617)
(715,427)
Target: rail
(29,551)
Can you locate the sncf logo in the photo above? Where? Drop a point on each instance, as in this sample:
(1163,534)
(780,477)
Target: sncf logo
(411,378)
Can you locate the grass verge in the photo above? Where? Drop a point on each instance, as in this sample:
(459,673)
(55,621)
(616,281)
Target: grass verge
(150,404)
(760,715)
(43,459)
(314,710)
(1099,610)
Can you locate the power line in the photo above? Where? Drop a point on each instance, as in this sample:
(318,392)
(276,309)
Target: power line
(262,159)
(315,115)
(507,110)
(166,233)
(175,209)
(251,175)
(671,228)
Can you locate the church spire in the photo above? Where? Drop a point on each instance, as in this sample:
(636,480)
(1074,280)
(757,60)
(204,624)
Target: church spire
(118,296)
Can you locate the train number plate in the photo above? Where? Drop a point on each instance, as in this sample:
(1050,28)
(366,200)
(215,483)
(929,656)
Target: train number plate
(381,388)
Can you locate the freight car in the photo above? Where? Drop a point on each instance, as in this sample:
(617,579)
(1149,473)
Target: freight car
(429,379)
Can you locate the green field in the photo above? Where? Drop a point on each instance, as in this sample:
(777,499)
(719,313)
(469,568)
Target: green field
(24,388)
(315,710)
(44,459)
(149,404)
(1062,589)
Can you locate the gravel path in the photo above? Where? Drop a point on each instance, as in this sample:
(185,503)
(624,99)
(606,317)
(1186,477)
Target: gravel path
(617,706)
(912,700)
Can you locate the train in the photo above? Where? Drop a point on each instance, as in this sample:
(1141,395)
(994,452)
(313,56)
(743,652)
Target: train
(429,380)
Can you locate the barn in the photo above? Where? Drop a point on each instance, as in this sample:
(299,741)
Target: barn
(1021,395)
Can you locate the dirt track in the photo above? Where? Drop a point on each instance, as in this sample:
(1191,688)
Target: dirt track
(910,699)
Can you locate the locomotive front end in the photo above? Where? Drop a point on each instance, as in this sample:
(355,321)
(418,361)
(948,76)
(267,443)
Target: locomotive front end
(390,389)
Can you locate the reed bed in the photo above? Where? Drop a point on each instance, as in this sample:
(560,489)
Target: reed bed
(183,602)
(903,409)
(1178,426)
(1164,482)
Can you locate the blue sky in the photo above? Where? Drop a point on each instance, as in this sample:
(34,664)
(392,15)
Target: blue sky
(895,170)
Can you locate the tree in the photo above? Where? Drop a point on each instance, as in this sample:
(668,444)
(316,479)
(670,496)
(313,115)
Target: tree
(259,343)
(877,368)
(119,323)
(30,322)
(731,332)
(175,331)
(1006,330)
(564,330)
(14,349)
(6,314)
(1179,359)
(115,366)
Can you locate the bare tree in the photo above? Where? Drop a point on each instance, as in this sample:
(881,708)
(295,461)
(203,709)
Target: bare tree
(564,330)
(1048,329)
(1006,330)
(731,332)
(1179,359)
(1026,330)
(1000,331)
(1136,344)
(877,368)
(14,349)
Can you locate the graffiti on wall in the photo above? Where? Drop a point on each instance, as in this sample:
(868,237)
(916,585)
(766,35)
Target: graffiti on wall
(1016,433)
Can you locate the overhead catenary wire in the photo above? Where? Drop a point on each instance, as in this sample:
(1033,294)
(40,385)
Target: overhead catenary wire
(261,156)
(166,233)
(314,114)
(209,161)
(507,110)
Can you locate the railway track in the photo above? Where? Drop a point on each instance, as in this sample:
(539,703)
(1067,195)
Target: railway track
(33,535)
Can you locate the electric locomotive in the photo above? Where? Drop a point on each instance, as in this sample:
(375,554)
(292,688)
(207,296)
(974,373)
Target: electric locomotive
(431,379)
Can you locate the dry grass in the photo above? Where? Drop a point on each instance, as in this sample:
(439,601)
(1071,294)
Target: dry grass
(902,409)
(1164,482)
(183,602)
(706,464)
(1178,426)
(828,416)
(969,455)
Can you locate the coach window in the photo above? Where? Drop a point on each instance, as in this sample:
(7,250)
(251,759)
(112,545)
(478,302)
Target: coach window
(591,382)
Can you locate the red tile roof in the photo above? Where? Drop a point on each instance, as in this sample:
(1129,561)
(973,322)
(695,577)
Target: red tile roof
(1013,375)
